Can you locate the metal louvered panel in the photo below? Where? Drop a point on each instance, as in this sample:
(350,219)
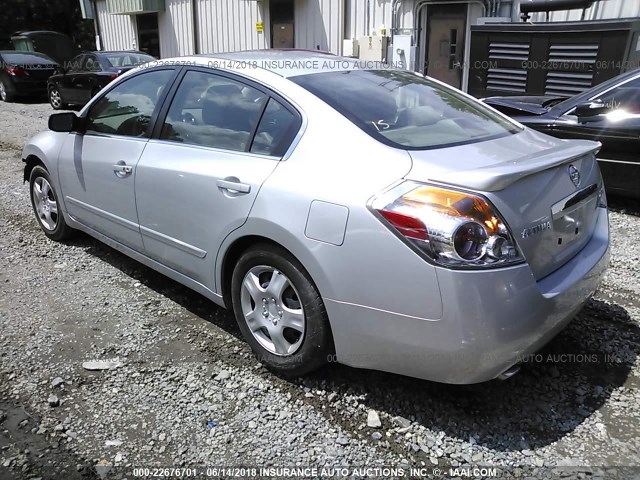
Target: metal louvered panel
(507,80)
(573,54)
(567,83)
(508,51)
(570,68)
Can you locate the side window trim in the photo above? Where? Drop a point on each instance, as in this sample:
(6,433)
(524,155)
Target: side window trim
(252,135)
(270,94)
(154,116)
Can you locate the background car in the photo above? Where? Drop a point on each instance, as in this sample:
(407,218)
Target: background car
(56,45)
(608,113)
(86,74)
(377,218)
(24,74)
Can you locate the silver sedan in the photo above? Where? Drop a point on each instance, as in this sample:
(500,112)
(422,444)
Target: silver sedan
(345,212)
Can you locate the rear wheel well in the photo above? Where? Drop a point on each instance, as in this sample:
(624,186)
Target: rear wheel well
(231,257)
(30,163)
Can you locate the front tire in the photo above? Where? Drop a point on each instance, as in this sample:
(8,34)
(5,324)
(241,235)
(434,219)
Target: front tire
(5,95)
(55,99)
(280,312)
(46,206)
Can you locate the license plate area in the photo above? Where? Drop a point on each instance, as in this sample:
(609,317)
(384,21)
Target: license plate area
(574,216)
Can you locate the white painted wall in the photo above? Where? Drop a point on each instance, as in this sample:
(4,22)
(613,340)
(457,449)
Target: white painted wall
(375,13)
(176,29)
(319,24)
(118,31)
(600,10)
(230,25)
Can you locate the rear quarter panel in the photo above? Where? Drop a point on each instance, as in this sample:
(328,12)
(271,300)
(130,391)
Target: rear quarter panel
(337,163)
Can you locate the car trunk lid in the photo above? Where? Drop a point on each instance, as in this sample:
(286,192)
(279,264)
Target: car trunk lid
(545,188)
(39,71)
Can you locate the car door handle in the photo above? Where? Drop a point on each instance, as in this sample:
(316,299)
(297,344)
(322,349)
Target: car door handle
(122,170)
(234,186)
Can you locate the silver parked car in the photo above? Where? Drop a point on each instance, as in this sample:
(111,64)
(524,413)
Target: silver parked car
(367,215)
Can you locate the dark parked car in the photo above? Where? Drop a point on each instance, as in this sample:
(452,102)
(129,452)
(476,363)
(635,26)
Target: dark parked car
(24,74)
(608,113)
(85,75)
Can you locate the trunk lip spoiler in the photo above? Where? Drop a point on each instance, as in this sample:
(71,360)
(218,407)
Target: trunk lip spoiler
(499,176)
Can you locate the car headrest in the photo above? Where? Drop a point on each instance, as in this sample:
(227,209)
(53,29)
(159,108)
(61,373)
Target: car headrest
(383,108)
(223,90)
(231,113)
(418,116)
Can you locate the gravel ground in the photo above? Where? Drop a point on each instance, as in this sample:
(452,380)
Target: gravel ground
(185,390)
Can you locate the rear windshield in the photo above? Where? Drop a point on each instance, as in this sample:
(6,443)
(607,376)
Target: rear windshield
(24,58)
(127,59)
(406,110)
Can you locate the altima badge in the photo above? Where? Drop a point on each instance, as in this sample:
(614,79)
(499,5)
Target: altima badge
(535,229)
(574,175)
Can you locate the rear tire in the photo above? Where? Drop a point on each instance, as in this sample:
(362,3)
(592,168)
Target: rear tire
(55,99)
(280,312)
(5,94)
(47,208)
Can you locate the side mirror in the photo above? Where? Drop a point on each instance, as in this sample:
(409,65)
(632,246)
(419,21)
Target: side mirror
(64,122)
(591,109)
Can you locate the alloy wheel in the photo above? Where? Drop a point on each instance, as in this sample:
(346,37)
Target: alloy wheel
(45,203)
(272,309)
(54,98)
(3,92)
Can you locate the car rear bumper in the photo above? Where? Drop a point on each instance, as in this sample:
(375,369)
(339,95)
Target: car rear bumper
(28,87)
(491,319)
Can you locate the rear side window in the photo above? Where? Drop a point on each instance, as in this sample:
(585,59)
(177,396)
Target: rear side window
(276,130)
(405,110)
(213,111)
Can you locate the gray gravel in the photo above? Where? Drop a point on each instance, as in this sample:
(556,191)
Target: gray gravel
(180,388)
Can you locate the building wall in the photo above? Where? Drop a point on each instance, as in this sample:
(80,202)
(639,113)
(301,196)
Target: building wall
(118,31)
(319,25)
(364,16)
(230,25)
(176,29)
(600,10)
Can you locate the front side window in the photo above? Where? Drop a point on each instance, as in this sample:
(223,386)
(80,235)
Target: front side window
(128,107)
(405,110)
(76,63)
(624,97)
(213,111)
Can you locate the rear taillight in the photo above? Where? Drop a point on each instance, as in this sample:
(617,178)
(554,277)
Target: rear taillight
(450,227)
(17,72)
(113,76)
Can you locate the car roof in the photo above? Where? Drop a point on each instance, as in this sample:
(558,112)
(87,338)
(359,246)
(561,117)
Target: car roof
(289,62)
(23,52)
(40,55)
(104,52)
(37,32)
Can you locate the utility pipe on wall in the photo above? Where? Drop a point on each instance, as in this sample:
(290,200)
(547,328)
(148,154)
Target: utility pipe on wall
(195,27)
